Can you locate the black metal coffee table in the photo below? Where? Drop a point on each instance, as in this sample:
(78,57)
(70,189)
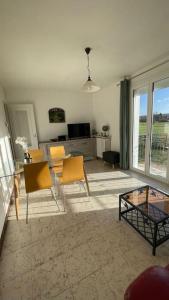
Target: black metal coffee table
(147,210)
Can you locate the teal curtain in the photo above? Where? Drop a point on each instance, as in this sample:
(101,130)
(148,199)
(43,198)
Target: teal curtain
(124,124)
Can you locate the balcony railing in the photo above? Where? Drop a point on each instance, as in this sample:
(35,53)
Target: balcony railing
(159,147)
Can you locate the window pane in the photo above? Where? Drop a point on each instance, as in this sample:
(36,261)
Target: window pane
(160,129)
(139,128)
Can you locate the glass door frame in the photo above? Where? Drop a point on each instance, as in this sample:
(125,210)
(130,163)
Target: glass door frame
(138,84)
(140,87)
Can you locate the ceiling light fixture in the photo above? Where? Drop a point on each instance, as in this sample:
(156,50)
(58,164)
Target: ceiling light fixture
(89,86)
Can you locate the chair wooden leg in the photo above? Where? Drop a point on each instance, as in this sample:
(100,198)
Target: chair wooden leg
(27,196)
(88,191)
(87,184)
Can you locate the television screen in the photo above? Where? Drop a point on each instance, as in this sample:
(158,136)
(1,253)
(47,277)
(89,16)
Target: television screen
(78,130)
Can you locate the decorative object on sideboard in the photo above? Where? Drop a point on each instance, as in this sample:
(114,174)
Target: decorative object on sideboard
(94,132)
(89,86)
(56,115)
(105,129)
(61,138)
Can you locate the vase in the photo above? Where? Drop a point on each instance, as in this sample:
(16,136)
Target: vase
(27,158)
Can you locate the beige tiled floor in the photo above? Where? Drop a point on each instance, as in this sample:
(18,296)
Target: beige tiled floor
(83,253)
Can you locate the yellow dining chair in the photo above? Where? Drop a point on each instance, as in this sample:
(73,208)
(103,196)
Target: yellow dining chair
(56,155)
(37,155)
(37,177)
(73,171)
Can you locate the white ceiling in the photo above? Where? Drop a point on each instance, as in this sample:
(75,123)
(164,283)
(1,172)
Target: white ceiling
(42,41)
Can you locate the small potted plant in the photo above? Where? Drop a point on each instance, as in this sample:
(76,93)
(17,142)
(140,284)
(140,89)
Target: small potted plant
(22,141)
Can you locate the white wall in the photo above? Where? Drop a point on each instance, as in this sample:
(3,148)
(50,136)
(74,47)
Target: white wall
(77,106)
(106,110)
(6,164)
(3,130)
(100,108)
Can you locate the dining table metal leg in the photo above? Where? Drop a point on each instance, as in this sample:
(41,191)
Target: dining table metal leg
(16,194)
(27,198)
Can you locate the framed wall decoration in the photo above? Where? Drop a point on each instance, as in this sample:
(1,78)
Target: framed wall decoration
(56,115)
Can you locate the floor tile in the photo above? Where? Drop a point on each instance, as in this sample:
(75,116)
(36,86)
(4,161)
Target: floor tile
(93,287)
(80,263)
(17,289)
(50,278)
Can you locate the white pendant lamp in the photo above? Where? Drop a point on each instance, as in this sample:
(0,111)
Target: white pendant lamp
(89,86)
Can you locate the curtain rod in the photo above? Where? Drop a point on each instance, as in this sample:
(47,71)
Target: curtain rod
(146,71)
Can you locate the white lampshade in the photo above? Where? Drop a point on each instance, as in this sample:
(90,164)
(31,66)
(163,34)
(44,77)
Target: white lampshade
(90,86)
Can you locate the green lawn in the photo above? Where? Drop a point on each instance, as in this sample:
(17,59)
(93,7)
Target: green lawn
(158,128)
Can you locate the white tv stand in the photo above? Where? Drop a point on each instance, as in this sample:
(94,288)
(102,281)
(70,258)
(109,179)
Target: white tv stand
(86,146)
(102,144)
(89,147)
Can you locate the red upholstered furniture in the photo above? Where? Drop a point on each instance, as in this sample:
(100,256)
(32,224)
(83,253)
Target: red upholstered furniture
(152,284)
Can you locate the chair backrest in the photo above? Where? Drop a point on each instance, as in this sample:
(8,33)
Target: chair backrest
(37,176)
(57,152)
(37,155)
(73,169)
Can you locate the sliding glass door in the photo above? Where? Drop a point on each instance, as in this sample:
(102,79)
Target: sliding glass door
(140,127)
(150,130)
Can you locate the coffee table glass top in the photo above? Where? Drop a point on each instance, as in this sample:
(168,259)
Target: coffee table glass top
(150,201)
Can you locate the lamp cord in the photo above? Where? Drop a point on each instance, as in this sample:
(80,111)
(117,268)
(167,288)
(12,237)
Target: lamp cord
(88,67)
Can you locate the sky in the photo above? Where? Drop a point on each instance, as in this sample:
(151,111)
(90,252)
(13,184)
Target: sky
(161,102)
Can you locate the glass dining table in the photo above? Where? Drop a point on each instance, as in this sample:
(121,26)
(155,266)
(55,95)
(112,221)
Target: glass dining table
(19,171)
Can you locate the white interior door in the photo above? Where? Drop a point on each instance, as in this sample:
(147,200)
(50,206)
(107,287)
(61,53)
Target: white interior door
(22,122)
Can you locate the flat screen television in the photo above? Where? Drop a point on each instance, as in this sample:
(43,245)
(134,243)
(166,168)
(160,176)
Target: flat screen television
(80,130)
